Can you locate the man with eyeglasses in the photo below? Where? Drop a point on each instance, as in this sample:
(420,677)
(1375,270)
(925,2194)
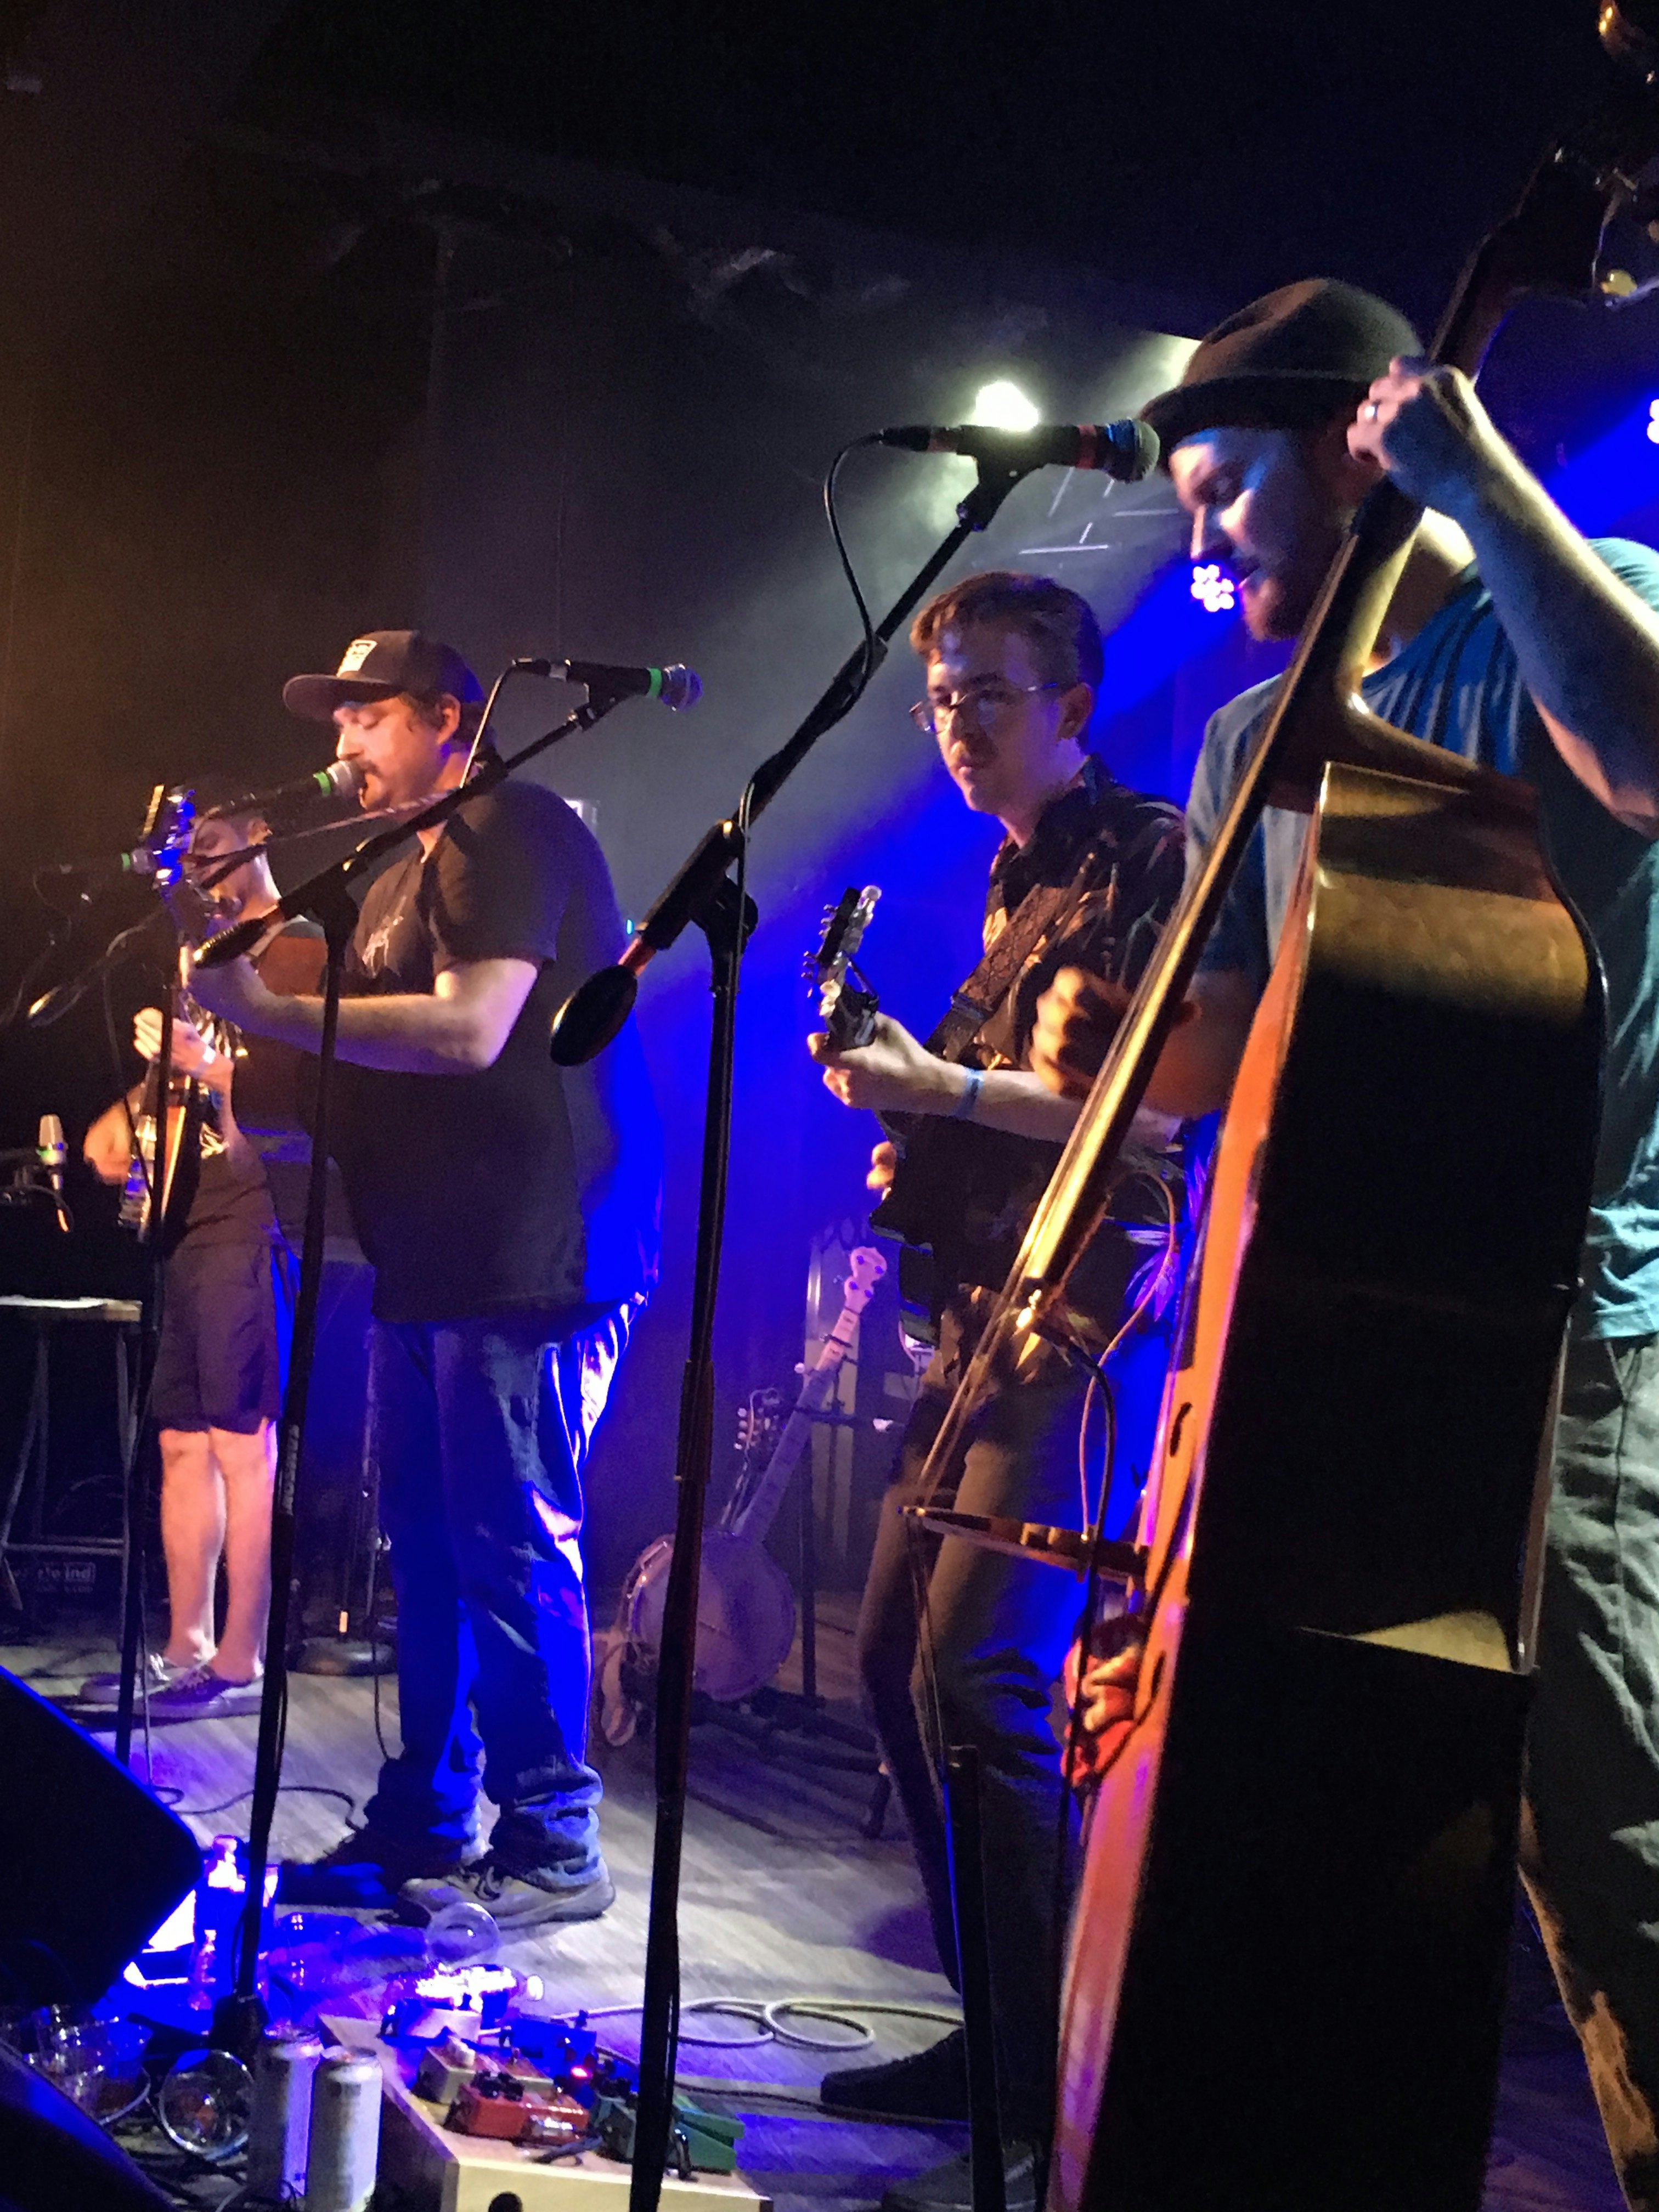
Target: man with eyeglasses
(1013,664)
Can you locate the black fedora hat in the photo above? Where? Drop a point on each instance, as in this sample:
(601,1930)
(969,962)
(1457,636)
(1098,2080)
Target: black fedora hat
(1287,361)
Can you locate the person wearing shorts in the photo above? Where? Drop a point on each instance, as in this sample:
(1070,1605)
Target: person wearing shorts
(217,1387)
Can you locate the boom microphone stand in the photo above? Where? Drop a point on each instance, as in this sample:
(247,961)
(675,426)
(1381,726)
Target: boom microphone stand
(706,892)
(239,2019)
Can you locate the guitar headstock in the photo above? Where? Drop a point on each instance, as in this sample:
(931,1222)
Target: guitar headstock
(847,1005)
(865,1269)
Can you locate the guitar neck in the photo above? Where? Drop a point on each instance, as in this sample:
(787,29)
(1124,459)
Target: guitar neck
(754,1523)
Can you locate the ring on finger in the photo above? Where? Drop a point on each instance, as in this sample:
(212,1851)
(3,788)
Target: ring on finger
(1371,409)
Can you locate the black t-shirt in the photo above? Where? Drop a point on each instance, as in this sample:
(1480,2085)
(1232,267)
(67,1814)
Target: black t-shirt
(522,1185)
(1128,848)
(231,1203)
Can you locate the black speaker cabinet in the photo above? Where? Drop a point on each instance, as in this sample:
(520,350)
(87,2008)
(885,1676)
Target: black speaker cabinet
(90,1863)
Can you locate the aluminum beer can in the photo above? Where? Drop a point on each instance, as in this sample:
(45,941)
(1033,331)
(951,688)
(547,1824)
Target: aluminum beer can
(344,2150)
(279,2126)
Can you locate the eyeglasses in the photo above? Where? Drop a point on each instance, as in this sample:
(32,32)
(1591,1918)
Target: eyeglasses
(983,703)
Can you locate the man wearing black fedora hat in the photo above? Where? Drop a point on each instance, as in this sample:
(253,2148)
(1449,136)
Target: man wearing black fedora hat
(510,1210)
(1513,641)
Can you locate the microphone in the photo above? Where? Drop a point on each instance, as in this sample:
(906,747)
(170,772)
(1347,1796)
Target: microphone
(52,1152)
(1128,450)
(340,779)
(48,1152)
(676,686)
(36,1170)
(136,860)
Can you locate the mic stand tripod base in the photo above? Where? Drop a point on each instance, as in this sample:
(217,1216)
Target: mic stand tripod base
(342,1656)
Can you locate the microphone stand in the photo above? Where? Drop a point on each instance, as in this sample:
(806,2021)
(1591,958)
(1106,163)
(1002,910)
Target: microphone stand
(240,2018)
(704,891)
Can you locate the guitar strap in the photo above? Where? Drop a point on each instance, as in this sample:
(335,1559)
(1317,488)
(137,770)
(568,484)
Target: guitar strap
(1042,916)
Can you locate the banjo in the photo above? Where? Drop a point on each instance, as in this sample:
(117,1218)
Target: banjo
(745,1604)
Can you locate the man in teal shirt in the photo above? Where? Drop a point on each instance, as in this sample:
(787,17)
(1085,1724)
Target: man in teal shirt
(1514,642)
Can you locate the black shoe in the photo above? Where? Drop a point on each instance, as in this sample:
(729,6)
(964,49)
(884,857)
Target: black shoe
(929,2085)
(513,1900)
(365,1869)
(105,1689)
(202,1695)
(950,2187)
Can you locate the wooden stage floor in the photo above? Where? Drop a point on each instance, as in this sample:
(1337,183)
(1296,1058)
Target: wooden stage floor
(783,1897)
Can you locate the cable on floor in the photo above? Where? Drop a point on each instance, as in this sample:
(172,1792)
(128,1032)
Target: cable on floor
(770,2018)
(283,1790)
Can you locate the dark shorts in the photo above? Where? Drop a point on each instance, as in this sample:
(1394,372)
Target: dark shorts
(219,1363)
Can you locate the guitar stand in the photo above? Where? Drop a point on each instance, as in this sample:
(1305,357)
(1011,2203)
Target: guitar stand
(782,1724)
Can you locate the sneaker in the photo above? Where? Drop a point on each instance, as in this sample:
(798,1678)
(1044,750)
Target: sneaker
(929,2085)
(105,1689)
(513,1900)
(366,1868)
(950,2187)
(202,1695)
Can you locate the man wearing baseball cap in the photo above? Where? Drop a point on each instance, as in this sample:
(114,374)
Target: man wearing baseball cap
(1516,642)
(510,1210)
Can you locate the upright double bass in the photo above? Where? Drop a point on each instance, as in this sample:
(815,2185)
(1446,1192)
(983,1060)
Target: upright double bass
(1285,1980)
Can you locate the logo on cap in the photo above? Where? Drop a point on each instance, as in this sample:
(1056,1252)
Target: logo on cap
(355,655)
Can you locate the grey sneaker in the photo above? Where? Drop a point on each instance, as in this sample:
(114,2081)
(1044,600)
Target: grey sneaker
(105,1689)
(202,1695)
(513,1900)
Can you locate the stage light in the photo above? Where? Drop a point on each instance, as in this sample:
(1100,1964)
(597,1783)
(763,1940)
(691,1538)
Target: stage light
(1003,406)
(1212,589)
(1605,484)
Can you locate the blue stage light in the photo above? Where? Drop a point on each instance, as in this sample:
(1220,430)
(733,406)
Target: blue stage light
(1617,476)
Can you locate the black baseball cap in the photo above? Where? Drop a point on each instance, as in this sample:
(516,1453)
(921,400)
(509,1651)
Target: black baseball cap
(379,664)
(1288,361)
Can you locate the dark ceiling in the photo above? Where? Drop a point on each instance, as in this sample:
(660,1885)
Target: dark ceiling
(1194,154)
(1217,148)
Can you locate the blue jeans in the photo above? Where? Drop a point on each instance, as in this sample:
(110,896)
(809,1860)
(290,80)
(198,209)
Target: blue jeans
(479,1430)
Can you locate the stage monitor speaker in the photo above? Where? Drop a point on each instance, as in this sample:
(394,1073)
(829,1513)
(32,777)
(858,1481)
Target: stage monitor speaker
(54,2159)
(90,1863)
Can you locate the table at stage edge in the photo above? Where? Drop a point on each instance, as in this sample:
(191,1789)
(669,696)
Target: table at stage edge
(444,2172)
(125,1317)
